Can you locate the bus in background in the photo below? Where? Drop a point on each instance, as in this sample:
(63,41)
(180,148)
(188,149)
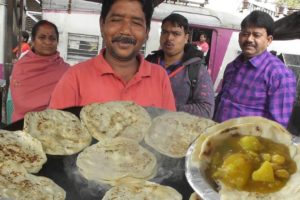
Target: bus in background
(80,37)
(80,40)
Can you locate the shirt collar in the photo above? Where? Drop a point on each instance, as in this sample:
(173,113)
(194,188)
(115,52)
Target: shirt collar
(105,68)
(256,61)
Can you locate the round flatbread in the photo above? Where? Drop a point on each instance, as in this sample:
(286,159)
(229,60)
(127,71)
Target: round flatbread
(256,126)
(22,148)
(112,159)
(142,190)
(60,132)
(17,184)
(194,196)
(113,119)
(172,133)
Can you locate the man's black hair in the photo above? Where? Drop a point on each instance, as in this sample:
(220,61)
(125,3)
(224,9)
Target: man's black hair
(25,36)
(39,24)
(259,19)
(147,7)
(177,20)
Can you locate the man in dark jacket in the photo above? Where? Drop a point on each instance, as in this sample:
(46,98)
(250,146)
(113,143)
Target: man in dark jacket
(192,85)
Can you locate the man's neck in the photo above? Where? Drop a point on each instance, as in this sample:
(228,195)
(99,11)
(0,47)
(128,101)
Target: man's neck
(169,60)
(124,69)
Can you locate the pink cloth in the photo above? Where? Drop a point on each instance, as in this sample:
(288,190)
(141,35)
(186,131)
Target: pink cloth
(33,80)
(202,46)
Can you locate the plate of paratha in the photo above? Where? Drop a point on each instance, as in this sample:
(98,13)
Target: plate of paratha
(245,158)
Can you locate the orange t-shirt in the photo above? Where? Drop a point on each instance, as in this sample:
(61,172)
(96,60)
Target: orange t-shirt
(95,81)
(24,47)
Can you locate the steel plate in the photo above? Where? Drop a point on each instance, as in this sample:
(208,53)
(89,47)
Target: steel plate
(196,178)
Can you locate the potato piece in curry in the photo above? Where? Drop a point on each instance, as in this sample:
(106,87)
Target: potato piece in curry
(251,163)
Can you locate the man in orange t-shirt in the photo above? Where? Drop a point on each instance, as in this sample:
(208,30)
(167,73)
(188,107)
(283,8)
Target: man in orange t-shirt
(119,72)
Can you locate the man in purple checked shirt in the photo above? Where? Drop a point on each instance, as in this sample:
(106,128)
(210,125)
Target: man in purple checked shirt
(256,83)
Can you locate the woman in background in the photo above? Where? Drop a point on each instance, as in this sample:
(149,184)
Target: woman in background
(35,75)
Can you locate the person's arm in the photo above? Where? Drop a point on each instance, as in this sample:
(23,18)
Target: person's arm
(65,93)
(281,96)
(203,98)
(205,47)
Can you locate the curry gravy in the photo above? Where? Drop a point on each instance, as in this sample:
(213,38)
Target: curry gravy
(251,163)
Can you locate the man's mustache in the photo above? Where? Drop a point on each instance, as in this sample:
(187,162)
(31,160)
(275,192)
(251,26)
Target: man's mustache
(124,39)
(248,43)
(168,43)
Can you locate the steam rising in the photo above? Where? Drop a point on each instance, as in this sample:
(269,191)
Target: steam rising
(87,189)
(168,170)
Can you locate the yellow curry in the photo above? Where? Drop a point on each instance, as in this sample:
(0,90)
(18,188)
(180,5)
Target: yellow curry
(252,164)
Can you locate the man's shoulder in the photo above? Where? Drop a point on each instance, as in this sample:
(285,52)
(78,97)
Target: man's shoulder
(276,68)
(85,65)
(154,56)
(154,66)
(275,64)
(156,70)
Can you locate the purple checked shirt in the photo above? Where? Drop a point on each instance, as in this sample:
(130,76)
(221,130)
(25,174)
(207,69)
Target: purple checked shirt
(262,86)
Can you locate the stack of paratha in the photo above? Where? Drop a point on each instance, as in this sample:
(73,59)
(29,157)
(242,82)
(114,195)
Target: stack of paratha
(60,132)
(142,190)
(172,133)
(113,119)
(17,184)
(22,148)
(250,126)
(113,159)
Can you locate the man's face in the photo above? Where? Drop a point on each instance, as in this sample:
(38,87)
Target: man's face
(124,30)
(172,39)
(253,41)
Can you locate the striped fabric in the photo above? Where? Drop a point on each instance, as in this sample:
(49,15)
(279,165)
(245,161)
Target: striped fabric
(262,86)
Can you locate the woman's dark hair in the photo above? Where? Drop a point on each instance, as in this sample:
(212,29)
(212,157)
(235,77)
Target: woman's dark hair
(36,27)
(147,7)
(259,19)
(25,36)
(177,20)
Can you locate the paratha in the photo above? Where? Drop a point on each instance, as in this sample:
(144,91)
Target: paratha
(17,184)
(22,148)
(60,132)
(112,159)
(253,126)
(194,196)
(172,133)
(113,119)
(142,190)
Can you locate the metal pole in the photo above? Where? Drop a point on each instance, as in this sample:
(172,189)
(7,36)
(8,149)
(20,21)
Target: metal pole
(8,53)
(8,39)
(69,6)
(19,13)
(13,21)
